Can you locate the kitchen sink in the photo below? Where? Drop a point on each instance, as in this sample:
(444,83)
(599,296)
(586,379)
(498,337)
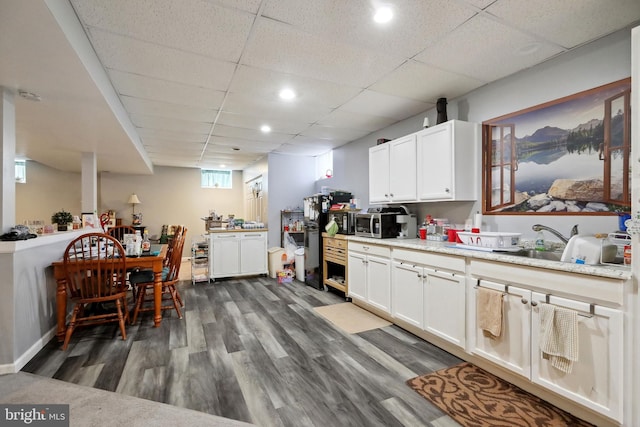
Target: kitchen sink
(546,255)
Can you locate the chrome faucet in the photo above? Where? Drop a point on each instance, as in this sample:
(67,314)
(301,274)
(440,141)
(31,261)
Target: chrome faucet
(574,231)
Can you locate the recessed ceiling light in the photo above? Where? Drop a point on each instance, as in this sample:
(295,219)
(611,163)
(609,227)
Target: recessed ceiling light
(265,128)
(29,95)
(383,14)
(287,94)
(223,166)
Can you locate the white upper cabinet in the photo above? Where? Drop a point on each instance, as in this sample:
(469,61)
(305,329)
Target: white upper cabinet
(392,171)
(448,162)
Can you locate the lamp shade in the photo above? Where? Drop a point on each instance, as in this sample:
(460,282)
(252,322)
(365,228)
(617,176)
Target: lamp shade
(133,199)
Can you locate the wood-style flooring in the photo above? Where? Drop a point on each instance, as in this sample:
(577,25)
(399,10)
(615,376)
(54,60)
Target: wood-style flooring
(256,351)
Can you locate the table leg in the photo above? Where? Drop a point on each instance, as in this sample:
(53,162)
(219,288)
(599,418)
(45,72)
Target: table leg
(157,298)
(61,307)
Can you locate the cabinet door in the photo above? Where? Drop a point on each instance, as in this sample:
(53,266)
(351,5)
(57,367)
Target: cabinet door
(402,169)
(379,282)
(357,275)
(512,349)
(596,379)
(407,293)
(253,250)
(435,157)
(444,305)
(379,173)
(225,255)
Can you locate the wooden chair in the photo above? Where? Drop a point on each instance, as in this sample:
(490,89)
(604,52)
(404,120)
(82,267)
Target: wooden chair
(170,277)
(95,270)
(119,231)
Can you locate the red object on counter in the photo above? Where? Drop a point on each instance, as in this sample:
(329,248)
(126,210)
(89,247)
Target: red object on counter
(475,230)
(452,236)
(423,233)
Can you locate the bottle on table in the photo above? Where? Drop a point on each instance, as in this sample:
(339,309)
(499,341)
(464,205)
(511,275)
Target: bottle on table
(146,244)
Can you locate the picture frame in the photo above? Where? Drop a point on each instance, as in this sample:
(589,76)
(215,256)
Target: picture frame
(566,156)
(89,220)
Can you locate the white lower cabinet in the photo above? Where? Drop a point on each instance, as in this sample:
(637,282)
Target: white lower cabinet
(512,349)
(369,275)
(237,253)
(428,296)
(596,378)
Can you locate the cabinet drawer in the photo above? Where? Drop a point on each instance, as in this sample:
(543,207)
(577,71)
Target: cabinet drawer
(336,255)
(437,261)
(336,243)
(224,236)
(370,249)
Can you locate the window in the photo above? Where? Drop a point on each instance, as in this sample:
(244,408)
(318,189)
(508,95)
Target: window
(213,178)
(324,165)
(21,171)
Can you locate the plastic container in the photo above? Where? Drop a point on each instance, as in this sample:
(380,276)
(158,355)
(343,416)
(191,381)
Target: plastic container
(489,239)
(275,261)
(299,256)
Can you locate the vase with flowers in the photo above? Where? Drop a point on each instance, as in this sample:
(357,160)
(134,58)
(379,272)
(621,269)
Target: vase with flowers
(63,219)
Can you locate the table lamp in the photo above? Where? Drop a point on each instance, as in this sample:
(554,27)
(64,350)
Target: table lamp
(133,200)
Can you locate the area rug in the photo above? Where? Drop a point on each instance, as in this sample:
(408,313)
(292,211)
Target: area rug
(351,318)
(476,398)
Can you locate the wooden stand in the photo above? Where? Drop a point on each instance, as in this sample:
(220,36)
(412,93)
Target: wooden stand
(335,262)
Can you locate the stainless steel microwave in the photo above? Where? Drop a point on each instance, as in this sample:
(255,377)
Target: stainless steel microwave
(380,225)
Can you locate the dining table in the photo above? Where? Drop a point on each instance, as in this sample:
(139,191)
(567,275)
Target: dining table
(154,261)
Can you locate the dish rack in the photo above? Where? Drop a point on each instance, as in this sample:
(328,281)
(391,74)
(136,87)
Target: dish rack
(488,239)
(620,239)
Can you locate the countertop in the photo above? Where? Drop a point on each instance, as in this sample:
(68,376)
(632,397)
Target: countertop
(236,230)
(610,271)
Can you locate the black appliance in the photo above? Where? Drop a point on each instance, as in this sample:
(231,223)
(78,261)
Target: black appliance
(316,217)
(346,220)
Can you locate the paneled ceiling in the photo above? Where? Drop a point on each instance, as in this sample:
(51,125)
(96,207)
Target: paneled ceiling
(189,83)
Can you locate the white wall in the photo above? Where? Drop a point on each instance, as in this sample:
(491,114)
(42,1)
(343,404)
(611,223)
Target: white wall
(601,62)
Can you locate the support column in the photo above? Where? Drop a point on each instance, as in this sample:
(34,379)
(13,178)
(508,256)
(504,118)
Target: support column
(89,183)
(8,156)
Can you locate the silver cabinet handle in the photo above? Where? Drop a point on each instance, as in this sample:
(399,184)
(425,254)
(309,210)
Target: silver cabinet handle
(524,301)
(534,303)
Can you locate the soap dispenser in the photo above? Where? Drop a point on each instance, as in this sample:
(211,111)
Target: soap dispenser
(540,241)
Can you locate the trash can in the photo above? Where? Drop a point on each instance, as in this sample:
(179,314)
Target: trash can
(299,254)
(275,261)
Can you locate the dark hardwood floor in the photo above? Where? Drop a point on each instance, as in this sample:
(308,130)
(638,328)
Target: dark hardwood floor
(256,351)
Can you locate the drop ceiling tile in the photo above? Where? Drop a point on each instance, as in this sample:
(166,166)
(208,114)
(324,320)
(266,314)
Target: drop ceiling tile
(383,105)
(344,134)
(138,57)
(245,144)
(248,134)
(315,57)
(351,120)
(486,50)
(161,143)
(277,109)
(183,25)
(589,19)
(416,23)
(145,87)
(162,123)
(425,83)
(246,5)
(150,134)
(251,122)
(168,110)
(260,83)
(314,148)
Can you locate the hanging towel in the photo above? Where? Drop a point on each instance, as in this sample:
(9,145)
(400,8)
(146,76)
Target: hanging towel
(489,312)
(559,336)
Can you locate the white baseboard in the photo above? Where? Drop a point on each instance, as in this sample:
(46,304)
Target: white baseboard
(11,368)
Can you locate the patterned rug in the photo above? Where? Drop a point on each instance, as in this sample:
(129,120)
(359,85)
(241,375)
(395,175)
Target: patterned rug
(476,398)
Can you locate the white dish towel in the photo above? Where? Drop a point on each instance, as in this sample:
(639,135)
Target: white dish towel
(559,336)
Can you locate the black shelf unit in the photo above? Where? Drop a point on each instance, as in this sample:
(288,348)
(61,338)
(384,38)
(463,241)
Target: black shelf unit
(289,218)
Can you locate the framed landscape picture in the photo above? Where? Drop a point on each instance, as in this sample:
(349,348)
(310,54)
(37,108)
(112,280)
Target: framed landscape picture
(567,156)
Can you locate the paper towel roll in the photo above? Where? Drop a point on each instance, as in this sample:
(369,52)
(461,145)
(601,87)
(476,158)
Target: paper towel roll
(477,220)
